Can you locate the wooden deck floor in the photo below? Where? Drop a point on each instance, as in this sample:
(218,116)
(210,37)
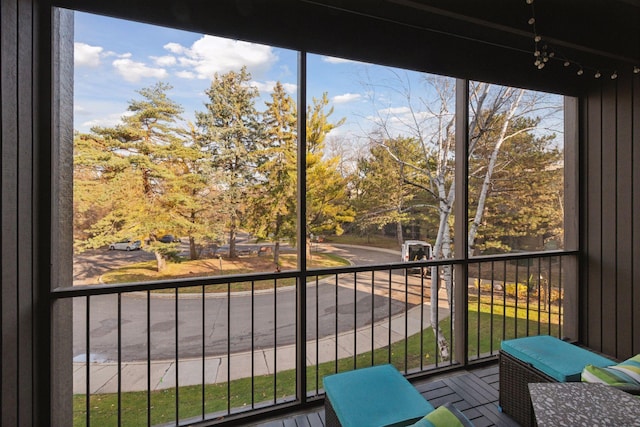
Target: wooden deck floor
(475,393)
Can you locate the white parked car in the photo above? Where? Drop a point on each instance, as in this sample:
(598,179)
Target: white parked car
(126,245)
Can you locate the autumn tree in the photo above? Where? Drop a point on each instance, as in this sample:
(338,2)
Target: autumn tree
(272,216)
(192,193)
(382,195)
(129,163)
(328,206)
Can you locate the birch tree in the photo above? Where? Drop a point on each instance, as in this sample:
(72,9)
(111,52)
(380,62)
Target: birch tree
(428,117)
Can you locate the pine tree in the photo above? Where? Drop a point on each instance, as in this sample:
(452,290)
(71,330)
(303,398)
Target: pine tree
(231,130)
(328,204)
(128,173)
(273,206)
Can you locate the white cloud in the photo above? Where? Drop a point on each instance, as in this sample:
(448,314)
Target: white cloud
(290,88)
(164,61)
(134,71)
(347,97)
(85,55)
(209,55)
(395,110)
(79,110)
(334,60)
(267,87)
(175,48)
(186,75)
(110,120)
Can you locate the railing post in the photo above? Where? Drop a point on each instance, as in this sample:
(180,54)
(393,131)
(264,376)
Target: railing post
(461,276)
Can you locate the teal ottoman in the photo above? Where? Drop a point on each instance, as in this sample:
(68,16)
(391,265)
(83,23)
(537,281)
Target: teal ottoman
(538,359)
(372,397)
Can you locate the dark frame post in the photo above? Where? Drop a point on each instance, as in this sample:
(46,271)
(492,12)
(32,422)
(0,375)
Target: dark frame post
(460,293)
(57,180)
(571,303)
(301,301)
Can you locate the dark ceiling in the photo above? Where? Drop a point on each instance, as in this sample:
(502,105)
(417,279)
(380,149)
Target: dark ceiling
(594,33)
(488,40)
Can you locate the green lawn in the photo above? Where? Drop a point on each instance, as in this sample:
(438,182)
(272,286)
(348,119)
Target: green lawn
(146,271)
(419,347)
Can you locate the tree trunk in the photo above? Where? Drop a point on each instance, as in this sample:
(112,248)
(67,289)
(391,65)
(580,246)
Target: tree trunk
(442,250)
(276,254)
(232,239)
(160,261)
(443,345)
(193,251)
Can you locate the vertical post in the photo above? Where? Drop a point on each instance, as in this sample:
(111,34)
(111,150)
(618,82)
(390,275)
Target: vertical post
(460,290)
(571,304)
(53,204)
(301,301)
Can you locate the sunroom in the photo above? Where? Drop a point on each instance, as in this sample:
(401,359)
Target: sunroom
(511,124)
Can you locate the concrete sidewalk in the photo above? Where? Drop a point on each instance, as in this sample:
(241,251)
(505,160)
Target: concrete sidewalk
(220,369)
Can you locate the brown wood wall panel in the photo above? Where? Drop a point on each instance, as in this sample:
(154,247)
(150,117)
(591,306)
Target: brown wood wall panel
(635,196)
(16,192)
(592,219)
(8,63)
(611,229)
(24,145)
(624,217)
(609,202)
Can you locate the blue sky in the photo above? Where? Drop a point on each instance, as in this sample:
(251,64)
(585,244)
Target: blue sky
(114,58)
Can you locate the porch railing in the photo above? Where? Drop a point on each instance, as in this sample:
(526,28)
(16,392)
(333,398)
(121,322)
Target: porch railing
(218,349)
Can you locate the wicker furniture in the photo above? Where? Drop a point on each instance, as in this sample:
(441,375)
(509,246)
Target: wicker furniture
(375,396)
(514,394)
(538,359)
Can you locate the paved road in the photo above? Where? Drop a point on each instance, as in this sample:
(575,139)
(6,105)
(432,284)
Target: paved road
(272,323)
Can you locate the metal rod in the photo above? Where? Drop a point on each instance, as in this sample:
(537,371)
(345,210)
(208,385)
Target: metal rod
(421,321)
(275,341)
(515,318)
(434,282)
(229,347)
(560,300)
(549,269)
(149,358)
(493,267)
(355,321)
(479,310)
(539,293)
(389,313)
(317,334)
(504,300)
(119,359)
(177,361)
(373,315)
(88,361)
(253,316)
(406,323)
(527,283)
(336,331)
(204,350)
